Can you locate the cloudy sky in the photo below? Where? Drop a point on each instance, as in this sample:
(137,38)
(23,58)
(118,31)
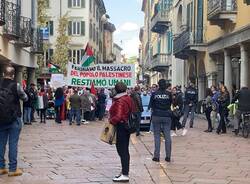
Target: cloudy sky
(128,18)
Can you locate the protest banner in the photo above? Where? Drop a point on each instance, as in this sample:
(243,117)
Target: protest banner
(102,75)
(57,80)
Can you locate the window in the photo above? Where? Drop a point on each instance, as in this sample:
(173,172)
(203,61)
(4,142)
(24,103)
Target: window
(47,3)
(76,55)
(94,33)
(76,3)
(49,54)
(169,42)
(90,30)
(76,28)
(90,5)
(93,8)
(97,14)
(50,25)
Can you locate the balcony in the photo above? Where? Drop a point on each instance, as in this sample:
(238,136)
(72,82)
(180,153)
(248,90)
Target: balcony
(2,12)
(247,2)
(25,33)
(160,22)
(11,29)
(37,45)
(188,43)
(160,62)
(219,11)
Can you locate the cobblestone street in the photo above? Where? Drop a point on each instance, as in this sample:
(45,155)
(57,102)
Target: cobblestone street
(62,154)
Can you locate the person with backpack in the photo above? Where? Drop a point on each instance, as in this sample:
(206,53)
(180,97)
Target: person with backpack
(161,102)
(120,112)
(136,97)
(208,104)
(10,120)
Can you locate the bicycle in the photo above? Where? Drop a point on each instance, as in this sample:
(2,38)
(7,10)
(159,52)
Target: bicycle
(245,124)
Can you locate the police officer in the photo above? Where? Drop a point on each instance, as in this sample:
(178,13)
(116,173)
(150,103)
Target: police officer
(160,104)
(190,102)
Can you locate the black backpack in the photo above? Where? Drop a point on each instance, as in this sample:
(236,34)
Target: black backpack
(7,99)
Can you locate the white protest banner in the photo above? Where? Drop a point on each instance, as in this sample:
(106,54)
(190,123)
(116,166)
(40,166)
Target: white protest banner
(57,80)
(102,75)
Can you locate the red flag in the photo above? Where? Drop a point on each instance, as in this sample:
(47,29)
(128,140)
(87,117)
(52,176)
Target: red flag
(92,89)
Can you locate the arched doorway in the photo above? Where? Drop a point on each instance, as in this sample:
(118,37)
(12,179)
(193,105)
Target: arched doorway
(202,79)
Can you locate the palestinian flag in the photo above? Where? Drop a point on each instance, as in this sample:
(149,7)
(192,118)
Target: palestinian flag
(53,68)
(88,57)
(92,89)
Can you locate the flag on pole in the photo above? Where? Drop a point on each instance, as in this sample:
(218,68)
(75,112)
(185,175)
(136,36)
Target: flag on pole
(92,89)
(53,68)
(88,57)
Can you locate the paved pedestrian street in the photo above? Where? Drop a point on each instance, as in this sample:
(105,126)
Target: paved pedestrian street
(62,154)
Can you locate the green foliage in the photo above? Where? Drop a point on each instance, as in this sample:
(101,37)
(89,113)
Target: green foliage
(132,60)
(42,16)
(60,56)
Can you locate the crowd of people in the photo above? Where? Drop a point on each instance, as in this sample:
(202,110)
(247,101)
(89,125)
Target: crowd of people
(169,108)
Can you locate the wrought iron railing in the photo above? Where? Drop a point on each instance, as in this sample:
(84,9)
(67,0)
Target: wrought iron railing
(2,12)
(25,31)
(188,37)
(12,19)
(216,6)
(37,46)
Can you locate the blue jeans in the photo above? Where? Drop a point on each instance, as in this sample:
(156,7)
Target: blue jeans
(27,114)
(10,134)
(75,113)
(162,124)
(187,109)
(138,123)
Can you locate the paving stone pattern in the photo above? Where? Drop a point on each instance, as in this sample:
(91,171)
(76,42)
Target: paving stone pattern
(63,154)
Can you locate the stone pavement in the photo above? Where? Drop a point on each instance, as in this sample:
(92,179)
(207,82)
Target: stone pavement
(62,154)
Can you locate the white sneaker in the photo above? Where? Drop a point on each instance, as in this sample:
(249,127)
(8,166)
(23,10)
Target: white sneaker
(173,134)
(121,178)
(184,132)
(83,120)
(86,122)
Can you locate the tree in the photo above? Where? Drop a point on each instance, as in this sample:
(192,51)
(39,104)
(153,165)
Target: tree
(60,56)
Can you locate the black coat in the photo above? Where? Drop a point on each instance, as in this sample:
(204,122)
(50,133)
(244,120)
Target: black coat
(244,99)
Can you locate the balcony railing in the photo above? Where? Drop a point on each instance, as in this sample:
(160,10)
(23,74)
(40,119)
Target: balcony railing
(12,21)
(25,32)
(160,62)
(2,12)
(160,22)
(216,7)
(187,39)
(37,46)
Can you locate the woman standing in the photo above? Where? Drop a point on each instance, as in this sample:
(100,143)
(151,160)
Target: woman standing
(208,109)
(59,99)
(42,104)
(224,101)
(119,115)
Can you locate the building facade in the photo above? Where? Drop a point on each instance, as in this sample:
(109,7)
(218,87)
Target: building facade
(108,55)
(117,50)
(86,26)
(20,39)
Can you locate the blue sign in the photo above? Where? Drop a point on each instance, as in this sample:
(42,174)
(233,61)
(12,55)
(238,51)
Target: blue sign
(45,33)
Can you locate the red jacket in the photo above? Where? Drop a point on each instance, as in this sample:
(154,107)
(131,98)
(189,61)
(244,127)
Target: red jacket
(121,108)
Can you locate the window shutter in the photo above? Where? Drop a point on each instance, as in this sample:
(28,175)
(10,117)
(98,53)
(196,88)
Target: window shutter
(70,55)
(82,28)
(69,3)
(70,28)
(51,28)
(51,52)
(83,3)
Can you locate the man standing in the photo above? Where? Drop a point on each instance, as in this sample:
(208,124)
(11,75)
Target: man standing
(10,120)
(75,102)
(190,102)
(136,97)
(243,97)
(33,98)
(160,102)
(101,104)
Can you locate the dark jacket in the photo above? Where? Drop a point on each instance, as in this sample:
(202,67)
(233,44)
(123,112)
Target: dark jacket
(177,100)
(191,96)
(45,100)
(101,98)
(85,103)
(75,101)
(160,103)
(121,108)
(136,97)
(28,103)
(244,99)
(224,100)
(18,93)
